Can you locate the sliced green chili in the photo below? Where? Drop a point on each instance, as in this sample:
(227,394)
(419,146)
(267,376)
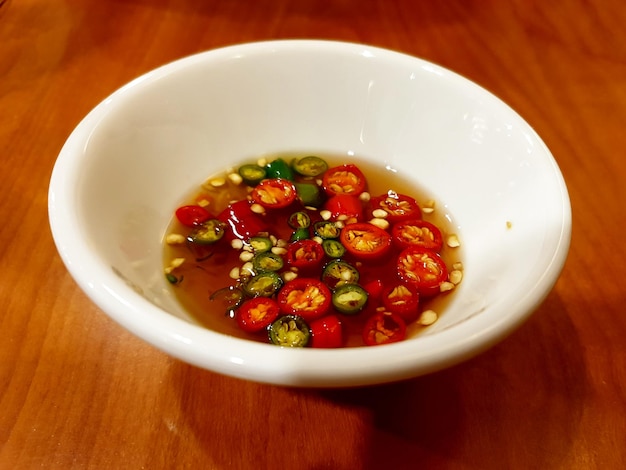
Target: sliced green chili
(338,272)
(261,244)
(279,168)
(326,229)
(333,248)
(252,174)
(309,166)
(300,234)
(267,261)
(299,220)
(263,284)
(349,299)
(229,298)
(289,331)
(309,194)
(208,232)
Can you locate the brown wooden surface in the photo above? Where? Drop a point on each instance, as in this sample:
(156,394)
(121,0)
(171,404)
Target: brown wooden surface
(77,391)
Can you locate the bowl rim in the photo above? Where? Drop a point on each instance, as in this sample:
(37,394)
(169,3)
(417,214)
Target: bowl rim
(246,359)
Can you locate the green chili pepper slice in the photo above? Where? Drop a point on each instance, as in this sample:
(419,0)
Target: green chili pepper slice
(338,272)
(309,194)
(267,261)
(349,299)
(333,248)
(229,298)
(279,168)
(309,166)
(300,234)
(290,331)
(299,220)
(263,284)
(252,174)
(326,229)
(208,232)
(261,244)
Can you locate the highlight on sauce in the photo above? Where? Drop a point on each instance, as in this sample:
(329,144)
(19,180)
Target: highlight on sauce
(297,251)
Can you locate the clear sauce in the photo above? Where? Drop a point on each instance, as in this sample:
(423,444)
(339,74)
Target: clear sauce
(202,277)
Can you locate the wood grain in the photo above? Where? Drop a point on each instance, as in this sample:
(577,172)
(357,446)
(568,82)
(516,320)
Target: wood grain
(77,391)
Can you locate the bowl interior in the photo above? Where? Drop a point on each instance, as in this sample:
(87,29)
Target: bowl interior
(130,162)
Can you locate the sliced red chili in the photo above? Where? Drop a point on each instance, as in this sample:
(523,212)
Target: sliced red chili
(257,314)
(403,300)
(422,268)
(365,241)
(274,193)
(243,223)
(399,207)
(192,215)
(308,298)
(327,332)
(306,255)
(344,179)
(417,233)
(344,206)
(384,328)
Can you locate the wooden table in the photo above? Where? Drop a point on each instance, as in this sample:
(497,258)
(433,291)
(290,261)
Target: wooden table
(77,391)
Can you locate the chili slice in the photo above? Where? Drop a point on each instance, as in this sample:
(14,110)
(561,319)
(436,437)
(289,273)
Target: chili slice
(290,331)
(344,206)
(252,174)
(310,166)
(267,261)
(399,207)
(365,241)
(208,232)
(229,297)
(306,255)
(306,297)
(349,299)
(327,332)
(264,284)
(344,179)
(257,314)
(422,268)
(403,300)
(274,193)
(338,272)
(192,215)
(384,328)
(417,233)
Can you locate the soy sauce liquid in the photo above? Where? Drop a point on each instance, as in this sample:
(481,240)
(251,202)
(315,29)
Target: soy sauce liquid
(206,271)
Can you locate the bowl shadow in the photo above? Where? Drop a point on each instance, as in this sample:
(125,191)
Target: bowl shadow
(525,396)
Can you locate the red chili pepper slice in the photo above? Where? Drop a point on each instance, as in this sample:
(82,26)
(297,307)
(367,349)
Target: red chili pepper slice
(192,215)
(384,328)
(306,255)
(257,314)
(243,223)
(274,193)
(402,299)
(308,298)
(344,206)
(344,179)
(327,332)
(365,241)
(423,269)
(399,207)
(417,233)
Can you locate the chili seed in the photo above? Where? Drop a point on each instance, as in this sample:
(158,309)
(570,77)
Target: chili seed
(175,239)
(456,276)
(453,241)
(428,317)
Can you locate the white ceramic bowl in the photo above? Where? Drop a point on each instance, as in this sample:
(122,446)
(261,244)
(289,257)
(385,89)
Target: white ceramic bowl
(127,165)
